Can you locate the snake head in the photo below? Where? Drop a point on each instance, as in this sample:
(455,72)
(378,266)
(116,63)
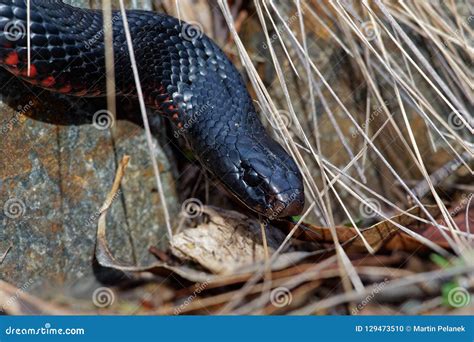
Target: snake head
(268,180)
(227,137)
(258,172)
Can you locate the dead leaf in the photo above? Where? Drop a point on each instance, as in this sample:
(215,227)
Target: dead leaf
(228,242)
(383,235)
(461,218)
(239,232)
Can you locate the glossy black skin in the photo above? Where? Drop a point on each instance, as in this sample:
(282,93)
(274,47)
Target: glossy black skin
(184,75)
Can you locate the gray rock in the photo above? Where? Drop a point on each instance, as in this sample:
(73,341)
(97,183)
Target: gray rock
(56,168)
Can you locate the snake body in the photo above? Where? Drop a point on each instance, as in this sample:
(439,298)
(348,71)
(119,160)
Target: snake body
(184,75)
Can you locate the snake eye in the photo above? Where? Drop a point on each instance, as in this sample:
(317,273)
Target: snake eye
(251,177)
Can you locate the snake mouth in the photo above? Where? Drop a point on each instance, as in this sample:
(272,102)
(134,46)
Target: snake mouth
(288,203)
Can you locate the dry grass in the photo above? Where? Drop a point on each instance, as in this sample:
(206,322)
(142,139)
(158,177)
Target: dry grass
(374,100)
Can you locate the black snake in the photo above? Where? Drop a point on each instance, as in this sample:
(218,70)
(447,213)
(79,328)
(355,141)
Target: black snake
(185,76)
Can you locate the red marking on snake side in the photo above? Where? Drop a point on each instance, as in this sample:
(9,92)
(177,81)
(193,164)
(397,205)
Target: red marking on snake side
(32,81)
(12,58)
(81,92)
(65,89)
(94,93)
(48,81)
(33,72)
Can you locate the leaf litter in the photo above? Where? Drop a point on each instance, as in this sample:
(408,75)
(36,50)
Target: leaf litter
(220,263)
(220,250)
